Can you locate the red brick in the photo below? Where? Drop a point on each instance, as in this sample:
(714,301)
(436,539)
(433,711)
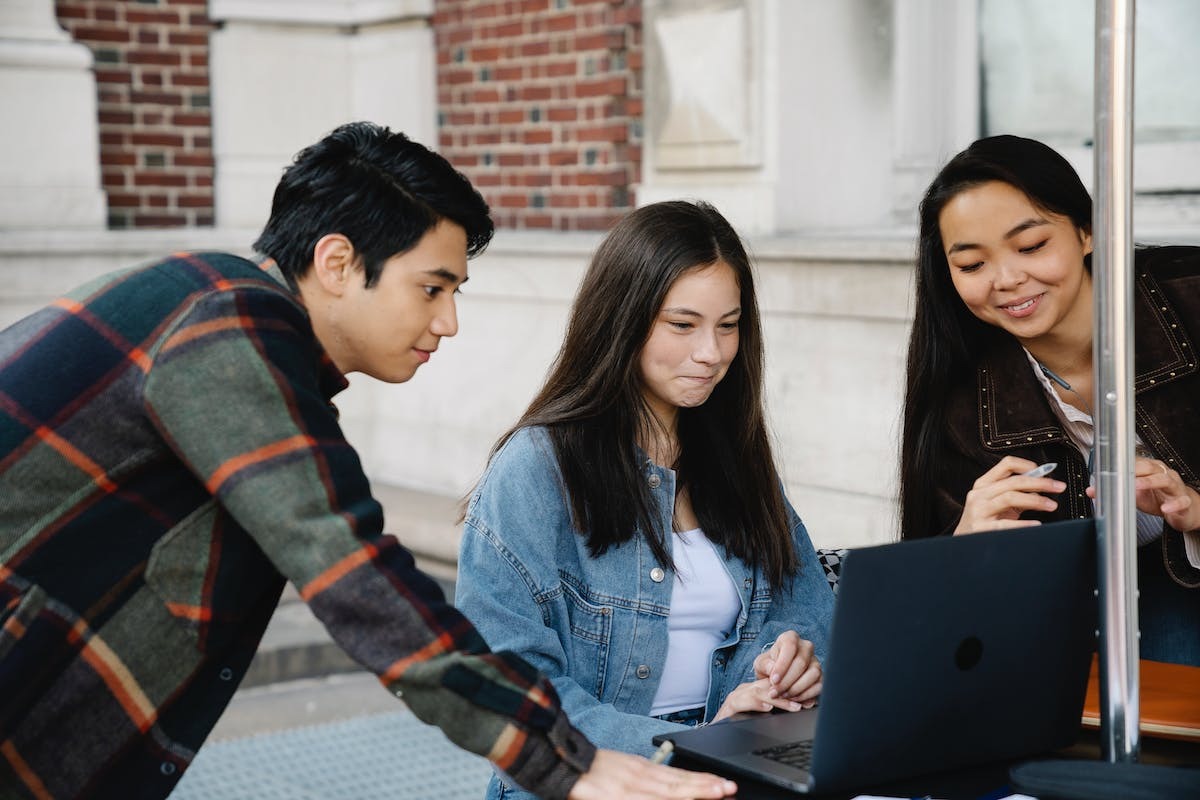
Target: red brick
(163,57)
(71,11)
(511,116)
(511,159)
(512,201)
(149,77)
(156,98)
(538,221)
(482,55)
(484,179)
(192,160)
(604,133)
(113,75)
(124,200)
(605,86)
(198,60)
(482,96)
(535,6)
(159,179)
(560,69)
(194,201)
(509,72)
(117,158)
(563,158)
(102,34)
(191,79)
(115,117)
(202,181)
(157,201)
(561,22)
(149,37)
(541,47)
(537,137)
(187,39)
(104,13)
(158,220)
(604,40)
(138,16)
(139,138)
(191,119)
(507,30)
(534,93)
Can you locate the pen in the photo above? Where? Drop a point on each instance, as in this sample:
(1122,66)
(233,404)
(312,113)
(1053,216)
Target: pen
(663,751)
(1041,471)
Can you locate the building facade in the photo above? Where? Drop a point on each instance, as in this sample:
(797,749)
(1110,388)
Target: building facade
(814,125)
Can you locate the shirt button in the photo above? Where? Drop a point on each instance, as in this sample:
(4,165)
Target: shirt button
(226,674)
(643,672)
(747,583)
(654,481)
(719,661)
(167,768)
(657,574)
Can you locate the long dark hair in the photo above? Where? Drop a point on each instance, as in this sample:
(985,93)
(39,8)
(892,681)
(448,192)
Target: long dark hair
(946,337)
(593,407)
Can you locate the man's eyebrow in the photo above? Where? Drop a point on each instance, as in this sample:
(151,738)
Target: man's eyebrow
(447,275)
(1020,227)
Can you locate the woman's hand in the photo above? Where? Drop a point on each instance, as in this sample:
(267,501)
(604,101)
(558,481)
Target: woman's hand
(620,775)
(1002,493)
(791,668)
(759,695)
(1160,491)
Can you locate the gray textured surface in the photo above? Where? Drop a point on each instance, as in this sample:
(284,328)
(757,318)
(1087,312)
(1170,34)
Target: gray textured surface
(389,755)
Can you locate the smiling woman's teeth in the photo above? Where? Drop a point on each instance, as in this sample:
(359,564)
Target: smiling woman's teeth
(1022,306)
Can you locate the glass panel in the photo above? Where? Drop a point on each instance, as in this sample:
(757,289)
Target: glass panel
(1037,70)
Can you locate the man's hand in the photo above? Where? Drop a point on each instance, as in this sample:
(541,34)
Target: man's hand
(620,776)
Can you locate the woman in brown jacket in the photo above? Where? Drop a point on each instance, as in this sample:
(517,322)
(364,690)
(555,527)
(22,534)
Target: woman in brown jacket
(1000,375)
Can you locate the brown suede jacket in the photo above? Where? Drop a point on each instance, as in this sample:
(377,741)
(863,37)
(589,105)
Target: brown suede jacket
(1006,409)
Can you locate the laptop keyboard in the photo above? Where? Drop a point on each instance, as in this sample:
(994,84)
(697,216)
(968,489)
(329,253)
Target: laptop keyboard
(793,754)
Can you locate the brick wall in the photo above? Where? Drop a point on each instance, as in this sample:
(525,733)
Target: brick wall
(540,104)
(151,64)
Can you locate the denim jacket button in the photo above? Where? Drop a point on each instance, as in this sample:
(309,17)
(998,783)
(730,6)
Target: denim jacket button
(747,583)
(643,672)
(657,574)
(654,481)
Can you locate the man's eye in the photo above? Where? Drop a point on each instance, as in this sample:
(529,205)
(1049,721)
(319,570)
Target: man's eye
(433,291)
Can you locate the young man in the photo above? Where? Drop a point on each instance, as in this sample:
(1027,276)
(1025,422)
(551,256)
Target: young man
(169,457)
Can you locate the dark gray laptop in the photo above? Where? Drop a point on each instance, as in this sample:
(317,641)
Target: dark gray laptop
(943,653)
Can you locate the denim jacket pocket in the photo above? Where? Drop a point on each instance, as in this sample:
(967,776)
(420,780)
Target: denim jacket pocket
(591,631)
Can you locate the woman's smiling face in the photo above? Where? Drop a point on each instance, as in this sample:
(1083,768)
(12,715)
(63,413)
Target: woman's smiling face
(1014,265)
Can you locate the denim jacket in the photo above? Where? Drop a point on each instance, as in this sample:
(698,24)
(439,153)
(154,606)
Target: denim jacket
(597,626)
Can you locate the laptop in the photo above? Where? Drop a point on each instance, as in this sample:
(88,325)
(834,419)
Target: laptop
(943,653)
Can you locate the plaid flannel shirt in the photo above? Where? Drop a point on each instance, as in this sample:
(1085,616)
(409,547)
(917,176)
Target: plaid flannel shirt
(168,458)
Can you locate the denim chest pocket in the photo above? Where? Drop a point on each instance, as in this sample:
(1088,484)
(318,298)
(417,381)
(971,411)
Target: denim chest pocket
(756,614)
(590,625)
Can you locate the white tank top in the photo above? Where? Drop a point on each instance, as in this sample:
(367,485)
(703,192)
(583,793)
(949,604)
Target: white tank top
(704,610)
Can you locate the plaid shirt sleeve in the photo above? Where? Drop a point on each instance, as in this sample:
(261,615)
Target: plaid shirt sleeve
(234,387)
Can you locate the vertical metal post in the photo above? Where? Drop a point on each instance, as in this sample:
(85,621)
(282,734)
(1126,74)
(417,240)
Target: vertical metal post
(1112,268)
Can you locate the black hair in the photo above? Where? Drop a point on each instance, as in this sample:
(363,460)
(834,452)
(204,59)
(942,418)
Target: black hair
(379,189)
(946,337)
(594,409)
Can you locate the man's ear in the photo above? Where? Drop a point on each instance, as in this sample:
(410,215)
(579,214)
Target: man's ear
(335,263)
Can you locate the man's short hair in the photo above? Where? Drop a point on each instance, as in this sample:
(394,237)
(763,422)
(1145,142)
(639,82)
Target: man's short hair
(379,189)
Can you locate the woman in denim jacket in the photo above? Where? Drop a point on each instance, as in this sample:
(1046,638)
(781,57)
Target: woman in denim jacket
(629,537)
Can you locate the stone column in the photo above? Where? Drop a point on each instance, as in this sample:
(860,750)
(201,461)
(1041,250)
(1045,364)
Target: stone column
(49,145)
(286,72)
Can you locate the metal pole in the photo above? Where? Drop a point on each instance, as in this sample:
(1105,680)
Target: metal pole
(1112,266)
